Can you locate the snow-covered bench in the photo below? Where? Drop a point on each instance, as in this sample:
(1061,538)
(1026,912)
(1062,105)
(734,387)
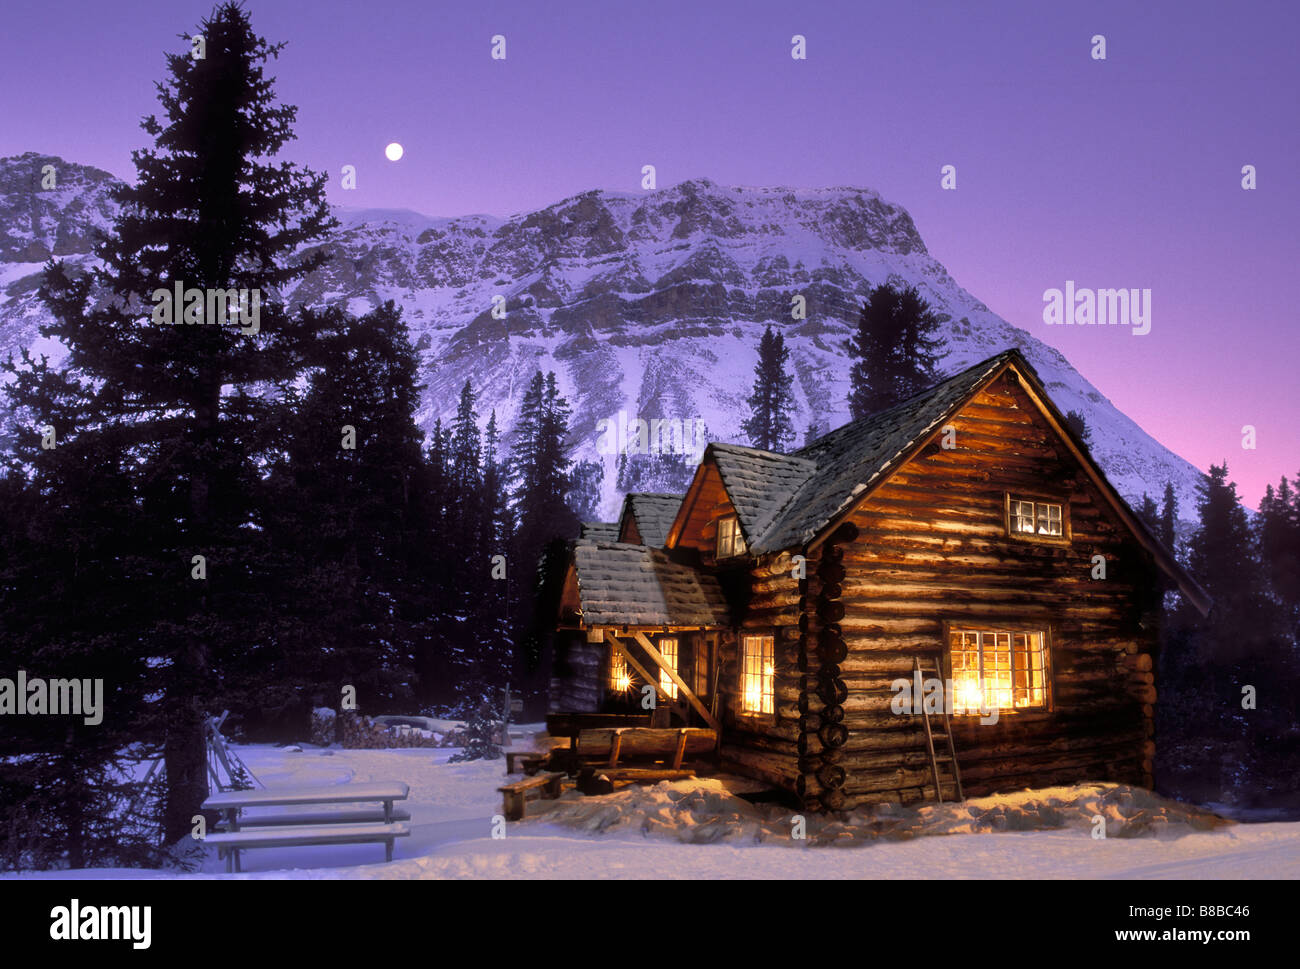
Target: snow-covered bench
(231,843)
(357,826)
(373,815)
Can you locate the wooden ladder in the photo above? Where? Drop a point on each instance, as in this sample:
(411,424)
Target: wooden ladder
(936,759)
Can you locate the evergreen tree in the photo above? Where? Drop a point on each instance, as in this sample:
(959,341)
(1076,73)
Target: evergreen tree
(586,480)
(896,350)
(209,210)
(499,531)
(483,736)
(768,425)
(353,519)
(495,495)
(1279,539)
(478,531)
(1221,555)
(540,468)
(1075,421)
(466,471)
(69,553)
(1169,518)
(1149,513)
(437,662)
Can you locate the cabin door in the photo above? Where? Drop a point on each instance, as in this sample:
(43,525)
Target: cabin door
(705,652)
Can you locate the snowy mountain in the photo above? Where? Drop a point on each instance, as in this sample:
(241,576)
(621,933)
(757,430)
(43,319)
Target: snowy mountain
(650,305)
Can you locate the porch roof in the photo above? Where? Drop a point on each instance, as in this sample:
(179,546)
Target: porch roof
(635,585)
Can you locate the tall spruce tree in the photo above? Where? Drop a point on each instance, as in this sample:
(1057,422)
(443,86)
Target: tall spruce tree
(495,494)
(1149,512)
(1169,517)
(541,470)
(497,537)
(481,661)
(194,403)
(1222,555)
(896,350)
(769,426)
(69,554)
(1279,540)
(1077,423)
(437,664)
(352,519)
(466,458)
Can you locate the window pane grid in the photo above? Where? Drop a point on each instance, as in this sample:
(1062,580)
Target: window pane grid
(758,675)
(1002,670)
(1037,518)
(730,540)
(1049,519)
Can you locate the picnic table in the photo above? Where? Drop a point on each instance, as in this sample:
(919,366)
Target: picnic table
(380,824)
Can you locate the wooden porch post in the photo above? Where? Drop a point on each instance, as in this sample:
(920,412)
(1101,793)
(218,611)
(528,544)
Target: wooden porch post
(644,642)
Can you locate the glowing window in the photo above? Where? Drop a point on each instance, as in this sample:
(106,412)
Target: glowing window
(668,650)
(619,678)
(757,675)
(1005,670)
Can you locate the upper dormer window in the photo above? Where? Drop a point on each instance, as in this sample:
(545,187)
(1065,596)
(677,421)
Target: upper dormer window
(1033,517)
(730,542)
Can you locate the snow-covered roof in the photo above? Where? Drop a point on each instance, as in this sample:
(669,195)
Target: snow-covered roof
(786,500)
(600,531)
(620,584)
(653,513)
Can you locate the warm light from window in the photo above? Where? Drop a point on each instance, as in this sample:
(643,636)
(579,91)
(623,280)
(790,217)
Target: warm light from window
(668,650)
(619,678)
(1002,670)
(757,675)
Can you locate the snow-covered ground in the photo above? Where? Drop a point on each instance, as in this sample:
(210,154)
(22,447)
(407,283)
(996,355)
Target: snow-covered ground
(637,833)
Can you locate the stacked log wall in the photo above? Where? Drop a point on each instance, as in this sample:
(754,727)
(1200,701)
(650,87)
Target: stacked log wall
(576,681)
(766,746)
(932,547)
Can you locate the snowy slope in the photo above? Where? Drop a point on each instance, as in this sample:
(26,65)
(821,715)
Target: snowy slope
(647,304)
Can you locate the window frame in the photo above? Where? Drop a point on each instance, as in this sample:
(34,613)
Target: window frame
(666,683)
(741,710)
(1013,627)
(736,536)
(617,661)
(703,651)
(1038,500)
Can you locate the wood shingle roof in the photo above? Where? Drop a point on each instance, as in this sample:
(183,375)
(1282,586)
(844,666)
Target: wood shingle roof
(634,585)
(654,513)
(785,500)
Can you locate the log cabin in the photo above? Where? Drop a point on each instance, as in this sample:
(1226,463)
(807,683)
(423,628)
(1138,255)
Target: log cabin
(790,597)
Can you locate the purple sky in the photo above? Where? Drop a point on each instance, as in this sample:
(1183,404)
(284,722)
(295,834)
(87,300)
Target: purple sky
(1122,173)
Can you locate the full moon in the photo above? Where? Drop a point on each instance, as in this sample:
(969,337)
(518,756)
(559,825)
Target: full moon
(393,151)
